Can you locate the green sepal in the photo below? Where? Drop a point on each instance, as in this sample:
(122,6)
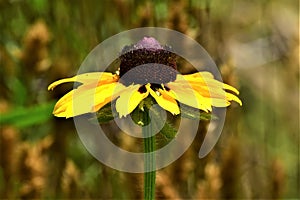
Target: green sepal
(138,116)
(168,131)
(193,113)
(105,114)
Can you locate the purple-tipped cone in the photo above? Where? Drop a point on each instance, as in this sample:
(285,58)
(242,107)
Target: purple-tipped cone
(148,51)
(148,43)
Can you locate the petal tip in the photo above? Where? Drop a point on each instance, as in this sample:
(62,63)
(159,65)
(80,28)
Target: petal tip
(51,87)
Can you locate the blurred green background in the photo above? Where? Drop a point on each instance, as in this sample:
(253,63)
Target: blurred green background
(255,44)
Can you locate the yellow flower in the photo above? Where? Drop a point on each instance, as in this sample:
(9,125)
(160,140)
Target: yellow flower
(157,77)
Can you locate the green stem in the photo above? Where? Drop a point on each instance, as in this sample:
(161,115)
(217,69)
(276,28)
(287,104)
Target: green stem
(149,161)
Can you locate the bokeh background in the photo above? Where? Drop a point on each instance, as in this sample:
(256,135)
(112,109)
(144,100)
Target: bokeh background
(255,44)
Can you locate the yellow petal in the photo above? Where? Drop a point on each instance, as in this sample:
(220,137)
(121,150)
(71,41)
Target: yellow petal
(165,100)
(232,97)
(212,90)
(208,92)
(199,75)
(87,78)
(229,87)
(129,99)
(112,91)
(213,96)
(81,101)
(207,78)
(186,95)
(216,90)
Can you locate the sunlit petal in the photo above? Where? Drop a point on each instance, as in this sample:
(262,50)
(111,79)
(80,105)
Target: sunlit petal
(229,87)
(207,79)
(231,97)
(186,95)
(87,78)
(200,90)
(80,101)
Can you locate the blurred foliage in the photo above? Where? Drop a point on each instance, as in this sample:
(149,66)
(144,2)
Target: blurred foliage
(254,43)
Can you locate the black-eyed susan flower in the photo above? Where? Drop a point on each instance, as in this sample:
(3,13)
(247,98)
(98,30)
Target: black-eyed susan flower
(146,68)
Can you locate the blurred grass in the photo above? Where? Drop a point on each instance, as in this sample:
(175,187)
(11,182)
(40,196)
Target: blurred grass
(256,46)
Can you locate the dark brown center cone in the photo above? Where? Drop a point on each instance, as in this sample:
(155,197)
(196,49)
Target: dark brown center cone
(147,62)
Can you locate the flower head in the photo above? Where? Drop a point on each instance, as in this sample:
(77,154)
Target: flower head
(146,68)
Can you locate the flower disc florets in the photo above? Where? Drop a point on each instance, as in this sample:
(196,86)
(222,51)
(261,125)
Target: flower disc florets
(152,55)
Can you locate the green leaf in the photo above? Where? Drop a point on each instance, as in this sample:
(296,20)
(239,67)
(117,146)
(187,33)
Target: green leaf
(23,117)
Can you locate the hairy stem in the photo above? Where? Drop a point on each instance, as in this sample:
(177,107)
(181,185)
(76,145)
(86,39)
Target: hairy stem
(149,160)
